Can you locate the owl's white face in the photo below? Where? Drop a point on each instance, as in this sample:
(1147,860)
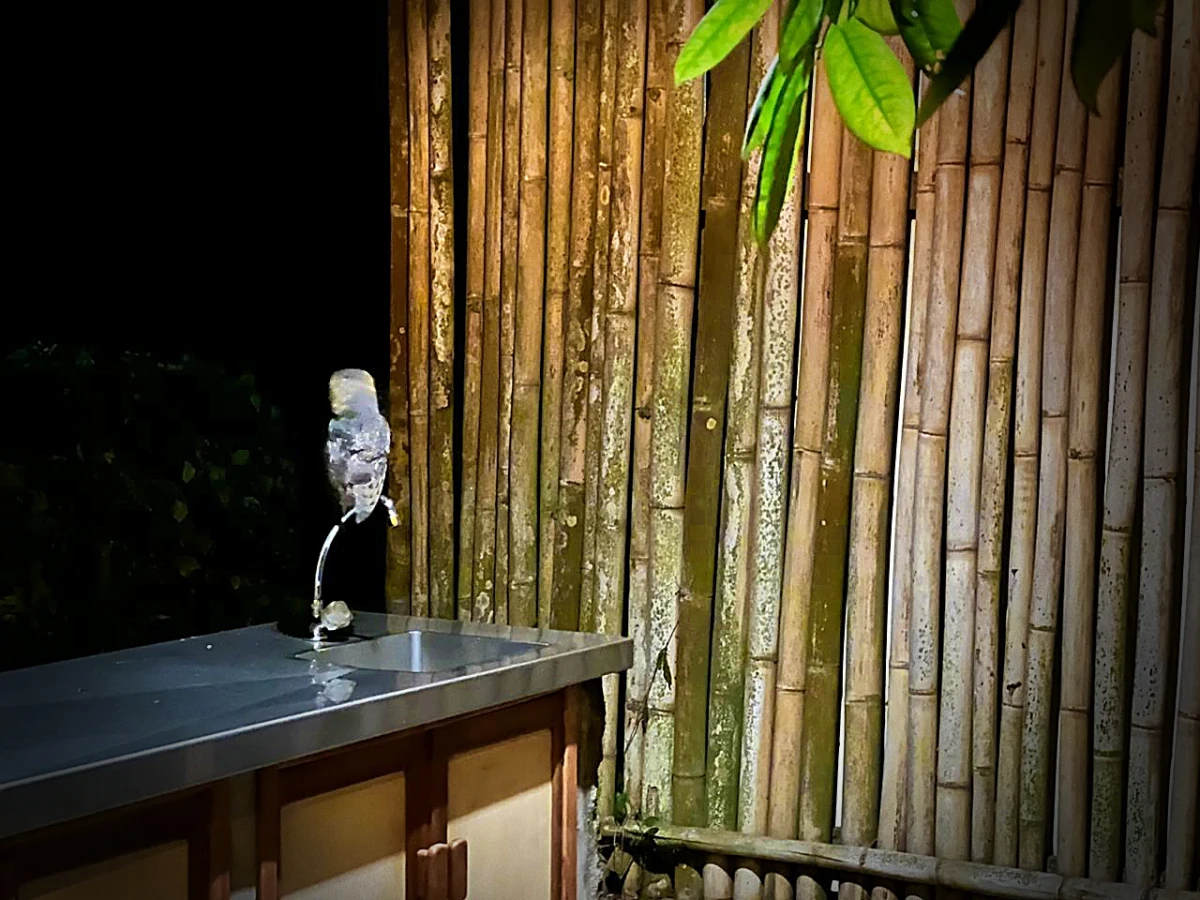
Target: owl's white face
(352,390)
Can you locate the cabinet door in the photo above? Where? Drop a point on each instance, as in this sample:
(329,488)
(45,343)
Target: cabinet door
(340,825)
(169,848)
(157,873)
(345,843)
(500,799)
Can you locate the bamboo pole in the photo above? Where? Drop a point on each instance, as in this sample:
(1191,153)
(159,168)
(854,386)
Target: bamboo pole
(819,756)
(620,323)
(1026,432)
(949,184)
(527,366)
(893,801)
(399,539)
(1185,774)
(419,276)
(995,459)
(484,544)
(1157,609)
(1088,355)
(558,268)
(638,614)
(783,816)
(672,352)
(889,867)
(615,421)
(593,449)
(769,496)
(1058,320)
(866,585)
(964,452)
(510,186)
(568,550)
(441,335)
(590,617)
(720,195)
(479,37)
(725,698)
(1124,455)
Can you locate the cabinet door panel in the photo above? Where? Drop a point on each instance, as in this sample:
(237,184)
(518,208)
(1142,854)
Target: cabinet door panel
(345,843)
(500,800)
(157,873)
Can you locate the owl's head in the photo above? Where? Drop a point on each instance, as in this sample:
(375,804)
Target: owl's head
(352,391)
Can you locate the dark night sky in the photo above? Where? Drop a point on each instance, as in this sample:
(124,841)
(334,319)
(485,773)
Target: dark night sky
(211,179)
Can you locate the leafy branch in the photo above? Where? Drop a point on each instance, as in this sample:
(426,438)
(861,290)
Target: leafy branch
(872,92)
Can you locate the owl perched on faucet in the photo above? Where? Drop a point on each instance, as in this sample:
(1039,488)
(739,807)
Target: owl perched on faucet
(356,452)
(356,459)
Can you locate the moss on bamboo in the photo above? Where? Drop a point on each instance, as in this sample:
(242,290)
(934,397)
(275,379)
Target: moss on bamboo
(558,268)
(527,363)
(710,378)
(418,298)
(568,550)
(399,540)
(726,699)
(638,609)
(477,147)
(783,818)
(441,332)
(484,544)
(849,286)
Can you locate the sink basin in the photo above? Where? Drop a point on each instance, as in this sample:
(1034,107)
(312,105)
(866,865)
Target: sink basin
(420,651)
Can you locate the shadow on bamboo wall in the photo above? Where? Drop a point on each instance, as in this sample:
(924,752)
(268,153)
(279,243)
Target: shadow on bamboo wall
(897,507)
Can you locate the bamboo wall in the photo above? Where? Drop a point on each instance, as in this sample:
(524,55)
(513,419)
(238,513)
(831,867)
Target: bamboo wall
(894,507)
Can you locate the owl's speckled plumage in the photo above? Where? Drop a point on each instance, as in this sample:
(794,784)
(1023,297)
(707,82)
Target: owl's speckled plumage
(356,452)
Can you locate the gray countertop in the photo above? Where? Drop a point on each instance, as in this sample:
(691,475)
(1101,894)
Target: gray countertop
(87,735)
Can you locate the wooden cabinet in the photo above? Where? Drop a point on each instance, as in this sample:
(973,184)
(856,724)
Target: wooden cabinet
(355,822)
(175,848)
(360,822)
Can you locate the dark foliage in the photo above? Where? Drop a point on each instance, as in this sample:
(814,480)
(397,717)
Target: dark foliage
(140,500)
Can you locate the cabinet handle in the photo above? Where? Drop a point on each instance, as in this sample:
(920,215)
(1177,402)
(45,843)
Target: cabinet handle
(437,873)
(422,874)
(458,870)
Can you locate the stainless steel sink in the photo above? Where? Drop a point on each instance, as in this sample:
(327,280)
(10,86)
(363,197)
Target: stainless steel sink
(421,651)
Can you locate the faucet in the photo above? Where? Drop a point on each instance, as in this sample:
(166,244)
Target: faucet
(337,614)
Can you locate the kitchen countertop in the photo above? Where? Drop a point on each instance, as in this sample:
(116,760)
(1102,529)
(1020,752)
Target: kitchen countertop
(91,734)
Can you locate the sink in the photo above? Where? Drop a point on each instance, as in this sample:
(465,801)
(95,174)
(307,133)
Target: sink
(421,651)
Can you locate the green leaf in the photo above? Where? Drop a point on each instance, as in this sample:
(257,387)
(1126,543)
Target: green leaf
(189,472)
(721,29)
(877,15)
(870,88)
(929,29)
(240,457)
(977,37)
(186,565)
(179,510)
(1102,33)
(779,153)
(620,806)
(799,31)
(758,123)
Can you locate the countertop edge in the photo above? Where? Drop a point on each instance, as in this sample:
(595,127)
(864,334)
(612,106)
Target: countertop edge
(78,793)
